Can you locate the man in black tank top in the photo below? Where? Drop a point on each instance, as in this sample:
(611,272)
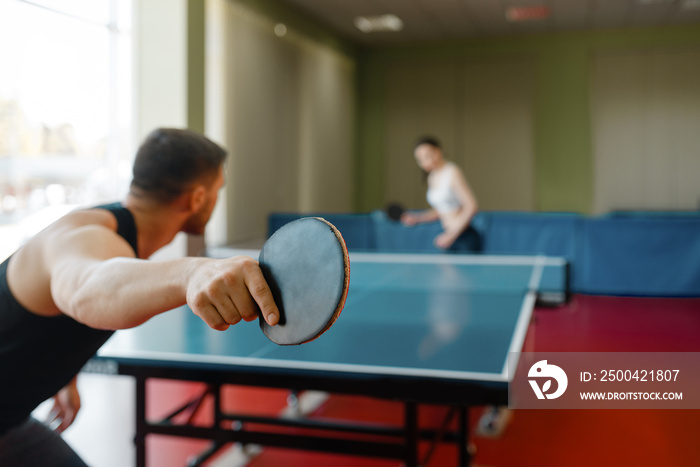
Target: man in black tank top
(65,291)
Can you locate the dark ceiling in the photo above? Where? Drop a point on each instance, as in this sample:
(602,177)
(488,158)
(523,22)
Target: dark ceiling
(441,20)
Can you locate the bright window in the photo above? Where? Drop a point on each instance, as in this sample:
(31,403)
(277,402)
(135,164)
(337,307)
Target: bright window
(65,109)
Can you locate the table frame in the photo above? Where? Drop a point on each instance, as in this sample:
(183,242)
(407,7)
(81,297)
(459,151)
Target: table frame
(391,442)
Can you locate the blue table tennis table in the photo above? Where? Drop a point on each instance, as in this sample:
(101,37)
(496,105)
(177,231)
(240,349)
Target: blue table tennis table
(420,329)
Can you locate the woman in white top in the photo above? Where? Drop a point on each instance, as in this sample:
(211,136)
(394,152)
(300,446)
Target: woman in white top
(451,199)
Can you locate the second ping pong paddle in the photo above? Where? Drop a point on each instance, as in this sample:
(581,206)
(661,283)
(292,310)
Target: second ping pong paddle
(394,211)
(307,266)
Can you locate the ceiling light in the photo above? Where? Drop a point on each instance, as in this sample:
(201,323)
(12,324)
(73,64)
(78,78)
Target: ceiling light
(369,24)
(280,30)
(526,13)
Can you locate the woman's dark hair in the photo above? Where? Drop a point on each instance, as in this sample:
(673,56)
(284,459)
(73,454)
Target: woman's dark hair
(432,141)
(428,140)
(171,160)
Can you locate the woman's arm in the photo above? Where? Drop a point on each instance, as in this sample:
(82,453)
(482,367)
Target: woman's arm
(420,217)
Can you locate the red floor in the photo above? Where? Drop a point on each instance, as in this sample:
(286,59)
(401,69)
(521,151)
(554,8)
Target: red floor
(539,438)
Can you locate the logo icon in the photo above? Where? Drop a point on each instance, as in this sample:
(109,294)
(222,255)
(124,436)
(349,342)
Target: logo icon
(542,370)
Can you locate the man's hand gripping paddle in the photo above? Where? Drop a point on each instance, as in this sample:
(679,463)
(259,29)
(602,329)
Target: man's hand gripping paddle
(307,267)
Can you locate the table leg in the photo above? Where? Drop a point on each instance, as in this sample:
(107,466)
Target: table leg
(140,437)
(465,456)
(411,433)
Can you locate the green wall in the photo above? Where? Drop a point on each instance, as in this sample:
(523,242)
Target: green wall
(562,130)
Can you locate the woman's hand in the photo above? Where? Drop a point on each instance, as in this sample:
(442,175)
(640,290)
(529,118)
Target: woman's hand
(409,218)
(445,240)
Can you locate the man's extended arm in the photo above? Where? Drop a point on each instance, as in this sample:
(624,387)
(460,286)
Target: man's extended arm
(94,280)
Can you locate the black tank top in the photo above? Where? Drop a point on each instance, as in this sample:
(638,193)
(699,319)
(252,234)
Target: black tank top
(39,355)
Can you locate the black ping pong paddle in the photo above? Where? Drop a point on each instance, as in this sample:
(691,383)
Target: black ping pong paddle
(307,266)
(394,211)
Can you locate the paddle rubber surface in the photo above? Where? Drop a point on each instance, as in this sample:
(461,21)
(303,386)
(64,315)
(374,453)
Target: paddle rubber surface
(307,267)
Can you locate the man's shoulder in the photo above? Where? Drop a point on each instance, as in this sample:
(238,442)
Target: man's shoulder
(84,217)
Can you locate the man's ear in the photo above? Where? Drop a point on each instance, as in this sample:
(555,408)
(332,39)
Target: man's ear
(197,197)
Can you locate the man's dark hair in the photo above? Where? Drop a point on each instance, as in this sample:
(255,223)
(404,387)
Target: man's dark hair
(171,160)
(428,140)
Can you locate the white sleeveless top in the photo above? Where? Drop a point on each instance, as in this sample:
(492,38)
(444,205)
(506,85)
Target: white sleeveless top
(441,196)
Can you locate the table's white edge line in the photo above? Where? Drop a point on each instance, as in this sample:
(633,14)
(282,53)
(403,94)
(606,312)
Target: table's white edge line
(117,354)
